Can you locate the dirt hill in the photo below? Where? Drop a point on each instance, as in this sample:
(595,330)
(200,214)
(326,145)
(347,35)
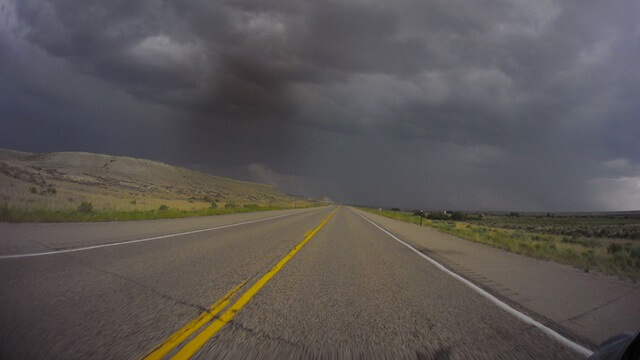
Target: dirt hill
(62,180)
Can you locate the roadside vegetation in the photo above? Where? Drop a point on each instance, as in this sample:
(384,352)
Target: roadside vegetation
(586,226)
(70,186)
(86,212)
(609,244)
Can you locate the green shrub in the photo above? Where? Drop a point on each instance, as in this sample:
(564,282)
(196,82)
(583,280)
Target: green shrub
(4,212)
(614,248)
(214,205)
(628,246)
(589,255)
(449,225)
(163,207)
(457,216)
(85,207)
(570,254)
(586,242)
(622,260)
(51,189)
(437,216)
(230,205)
(524,246)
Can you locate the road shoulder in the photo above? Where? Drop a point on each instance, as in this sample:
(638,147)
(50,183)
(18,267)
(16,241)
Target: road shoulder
(588,307)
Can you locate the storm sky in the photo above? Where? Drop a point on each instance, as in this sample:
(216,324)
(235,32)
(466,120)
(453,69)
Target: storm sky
(447,104)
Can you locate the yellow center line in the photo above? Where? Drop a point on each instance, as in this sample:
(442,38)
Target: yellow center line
(198,342)
(181,335)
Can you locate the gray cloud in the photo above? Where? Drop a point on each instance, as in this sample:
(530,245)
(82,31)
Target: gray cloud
(528,105)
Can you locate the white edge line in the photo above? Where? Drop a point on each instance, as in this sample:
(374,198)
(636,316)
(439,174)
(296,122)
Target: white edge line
(14,256)
(576,347)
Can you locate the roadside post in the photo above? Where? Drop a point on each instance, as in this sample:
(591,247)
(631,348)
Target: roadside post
(421,214)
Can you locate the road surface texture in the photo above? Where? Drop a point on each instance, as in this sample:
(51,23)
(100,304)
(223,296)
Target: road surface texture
(310,283)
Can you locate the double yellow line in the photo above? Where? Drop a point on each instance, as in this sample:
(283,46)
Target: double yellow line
(197,342)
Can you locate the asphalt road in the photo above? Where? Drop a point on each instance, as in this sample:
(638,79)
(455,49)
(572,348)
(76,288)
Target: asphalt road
(339,288)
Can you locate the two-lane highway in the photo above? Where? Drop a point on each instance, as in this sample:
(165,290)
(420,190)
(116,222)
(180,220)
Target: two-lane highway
(312,284)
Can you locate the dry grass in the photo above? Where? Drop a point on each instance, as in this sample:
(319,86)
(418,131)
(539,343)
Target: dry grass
(60,182)
(12,215)
(581,252)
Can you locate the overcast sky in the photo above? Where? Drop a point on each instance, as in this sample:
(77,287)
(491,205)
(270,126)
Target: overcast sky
(456,104)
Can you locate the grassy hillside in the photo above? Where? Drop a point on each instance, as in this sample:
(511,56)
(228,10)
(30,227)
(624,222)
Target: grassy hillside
(61,182)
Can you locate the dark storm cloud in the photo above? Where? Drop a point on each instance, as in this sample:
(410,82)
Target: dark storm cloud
(528,105)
